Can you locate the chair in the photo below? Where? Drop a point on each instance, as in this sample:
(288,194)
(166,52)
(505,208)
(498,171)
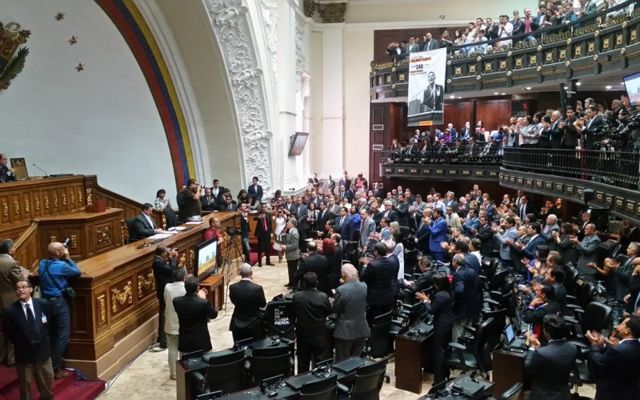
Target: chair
(380,342)
(269,362)
(325,389)
(285,310)
(129,225)
(474,355)
(512,393)
(367,383)
(225,373)
(596,317)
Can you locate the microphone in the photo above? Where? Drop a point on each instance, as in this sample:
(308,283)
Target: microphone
(46,174)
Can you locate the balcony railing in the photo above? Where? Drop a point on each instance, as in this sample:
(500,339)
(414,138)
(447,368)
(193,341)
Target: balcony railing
(486,154)
(613,168)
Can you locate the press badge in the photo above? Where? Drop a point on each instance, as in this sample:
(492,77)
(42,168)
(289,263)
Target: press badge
(44,319)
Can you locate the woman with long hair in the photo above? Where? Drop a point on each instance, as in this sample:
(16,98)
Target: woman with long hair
(441,306)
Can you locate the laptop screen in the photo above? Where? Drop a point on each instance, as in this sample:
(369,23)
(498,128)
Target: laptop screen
(509,333)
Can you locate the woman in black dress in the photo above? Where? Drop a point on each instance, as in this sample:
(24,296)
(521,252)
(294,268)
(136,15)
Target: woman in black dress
(441,306)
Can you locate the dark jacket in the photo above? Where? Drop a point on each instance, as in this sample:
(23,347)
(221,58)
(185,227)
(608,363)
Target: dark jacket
(317,263)
(442,308)
(140,228)
(193,315)
(465,281)
(549,368)
(260,231)
(616,371)
(378,276)
(31,346)
(163,273)
(247,298)
(311,308)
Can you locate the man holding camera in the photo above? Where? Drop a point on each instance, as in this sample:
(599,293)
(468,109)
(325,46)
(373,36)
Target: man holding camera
(191,200)
(54,273)
(165,262)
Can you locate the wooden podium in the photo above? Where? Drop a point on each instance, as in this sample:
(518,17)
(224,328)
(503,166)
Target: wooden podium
(215,290)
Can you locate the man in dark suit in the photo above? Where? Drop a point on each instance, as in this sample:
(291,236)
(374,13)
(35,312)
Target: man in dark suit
(569,137)
(465,282)
(389,213)
(311,308)
(255,191)
(208,201)
(263,233)
(301,214)
(26,324)
(433,97)
(247,298)
(165,262)
(535,239)
(378,275)
(616,367)
(324,216)
(194,312)
(318,264)
(343,225)
(549,366)
(218,192)
(588,249)
(543,304)
(350,306)
(142,225)
(525,208)
(592,134)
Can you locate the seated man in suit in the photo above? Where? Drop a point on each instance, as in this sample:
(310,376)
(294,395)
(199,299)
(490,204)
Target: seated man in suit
(549,366)
(6,174)
(543,304)
(311,308)
(26,324)
(143,225)
(247,298)
(194,312)
(616,366)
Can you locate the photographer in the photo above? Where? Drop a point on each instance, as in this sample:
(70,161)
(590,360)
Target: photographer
(165,262)
(191,200)
(54,273)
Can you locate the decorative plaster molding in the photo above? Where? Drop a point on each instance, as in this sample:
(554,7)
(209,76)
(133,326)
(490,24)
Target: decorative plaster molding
(301,59)
(232,30)
(269,12)
(184,90)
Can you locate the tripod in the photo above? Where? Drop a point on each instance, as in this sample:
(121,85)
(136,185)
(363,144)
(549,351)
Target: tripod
(231,255)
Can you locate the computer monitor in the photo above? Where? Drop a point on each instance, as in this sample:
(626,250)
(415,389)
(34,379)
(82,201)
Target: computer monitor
(206,253)
(509,333)
(632,84)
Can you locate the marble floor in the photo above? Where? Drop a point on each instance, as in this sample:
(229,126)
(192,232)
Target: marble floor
(147,377)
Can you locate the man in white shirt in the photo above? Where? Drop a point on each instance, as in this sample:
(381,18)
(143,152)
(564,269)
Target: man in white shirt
(171,324)
(505,30)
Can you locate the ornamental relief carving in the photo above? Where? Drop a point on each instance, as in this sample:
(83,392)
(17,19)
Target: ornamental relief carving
(146,284)
(231,25)
(121,297)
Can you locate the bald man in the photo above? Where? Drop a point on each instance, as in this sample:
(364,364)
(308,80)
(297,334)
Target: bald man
(247,298)
(350,307)
(55,271)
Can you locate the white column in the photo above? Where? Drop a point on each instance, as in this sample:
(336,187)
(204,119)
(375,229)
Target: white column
(332,140)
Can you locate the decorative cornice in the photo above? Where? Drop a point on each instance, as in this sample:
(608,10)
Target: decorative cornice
(269,13)
(231,25)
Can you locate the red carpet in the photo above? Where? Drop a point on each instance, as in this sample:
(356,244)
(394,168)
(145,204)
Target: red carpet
(70,388)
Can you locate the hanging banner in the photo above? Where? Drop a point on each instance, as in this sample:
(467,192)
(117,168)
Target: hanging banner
(427,75)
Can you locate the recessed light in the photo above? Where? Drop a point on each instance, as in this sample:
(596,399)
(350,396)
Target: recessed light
(578,83)
(608,87)
(452,96)
(502,94)
(528,88)
(566,87)
(495,93)
(459,97)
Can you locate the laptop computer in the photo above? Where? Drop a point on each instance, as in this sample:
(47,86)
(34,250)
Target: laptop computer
(512,342)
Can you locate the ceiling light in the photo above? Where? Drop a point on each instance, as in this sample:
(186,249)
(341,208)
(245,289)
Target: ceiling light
(528,88)
(566,88)
(459,97)
(578,83)
(502,94)
(495,93)
(608,87)
(452,96)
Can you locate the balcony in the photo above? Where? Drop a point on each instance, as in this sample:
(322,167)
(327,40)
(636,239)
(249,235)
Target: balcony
(601,179)
(603,44)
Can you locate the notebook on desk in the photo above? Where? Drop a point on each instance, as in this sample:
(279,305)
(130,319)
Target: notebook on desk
(512,342)
(349,365)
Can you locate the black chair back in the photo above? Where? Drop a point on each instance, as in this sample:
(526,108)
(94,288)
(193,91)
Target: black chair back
(226,377)
(380,341)
(596,317)
(285,311)
(368,381)
(325,389)
(482,346)
(512,393)
(271,364)
(129,222)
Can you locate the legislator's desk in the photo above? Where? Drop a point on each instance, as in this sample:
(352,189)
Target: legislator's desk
(508,369)
(412,355)
(114,316)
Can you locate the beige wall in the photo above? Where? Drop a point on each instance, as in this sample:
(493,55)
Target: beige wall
(315,142)
(357,53)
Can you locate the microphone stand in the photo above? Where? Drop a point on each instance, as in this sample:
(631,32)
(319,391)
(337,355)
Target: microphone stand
(46,174)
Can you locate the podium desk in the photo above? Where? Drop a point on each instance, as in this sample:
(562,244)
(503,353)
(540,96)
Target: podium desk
(215,290)
(412,355)
(508,369)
